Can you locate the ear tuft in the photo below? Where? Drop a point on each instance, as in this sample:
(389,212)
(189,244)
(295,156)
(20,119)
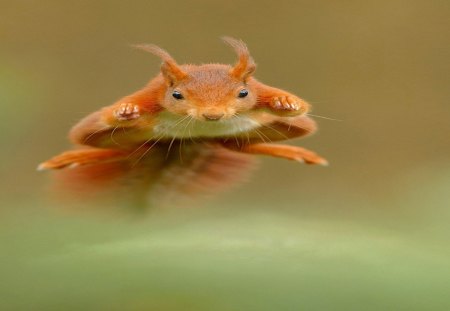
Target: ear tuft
(245,66)
(169,68)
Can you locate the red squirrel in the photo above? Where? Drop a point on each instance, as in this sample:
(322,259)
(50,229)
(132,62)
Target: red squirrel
(190,128)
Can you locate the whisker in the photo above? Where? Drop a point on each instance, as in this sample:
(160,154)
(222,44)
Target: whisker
(158,137)
(277,131)
(180,120)
(267,137)
(174,136)
(146,151)
(183,140)
(170,146)
(112,134)
(258,133)
(189,129)
(234,133)
(242,132)
(142,145)
(322,117)
(92,134)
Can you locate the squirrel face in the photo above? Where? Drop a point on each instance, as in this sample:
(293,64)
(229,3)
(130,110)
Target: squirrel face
(208,92)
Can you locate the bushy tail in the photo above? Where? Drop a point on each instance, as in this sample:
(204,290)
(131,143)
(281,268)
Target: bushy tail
(151,175)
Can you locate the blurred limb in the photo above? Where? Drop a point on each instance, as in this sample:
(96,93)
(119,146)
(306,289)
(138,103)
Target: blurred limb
(295,153)
(75,158)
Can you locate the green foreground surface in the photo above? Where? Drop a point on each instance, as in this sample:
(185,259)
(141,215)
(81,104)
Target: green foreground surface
(210,258)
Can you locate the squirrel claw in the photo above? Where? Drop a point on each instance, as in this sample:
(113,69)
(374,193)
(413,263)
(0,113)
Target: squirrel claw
(126,112)
(287,104)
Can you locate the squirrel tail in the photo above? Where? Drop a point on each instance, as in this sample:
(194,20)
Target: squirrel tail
(153,174)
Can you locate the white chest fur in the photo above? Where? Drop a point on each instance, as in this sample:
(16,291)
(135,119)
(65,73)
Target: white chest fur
(171,125)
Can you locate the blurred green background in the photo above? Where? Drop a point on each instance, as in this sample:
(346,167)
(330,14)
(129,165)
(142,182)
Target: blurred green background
(369,232)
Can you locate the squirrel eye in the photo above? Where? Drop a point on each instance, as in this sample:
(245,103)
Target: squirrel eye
(243,93)
(177,95)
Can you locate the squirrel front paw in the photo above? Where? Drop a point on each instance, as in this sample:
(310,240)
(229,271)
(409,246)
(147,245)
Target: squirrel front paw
(288,105)
(126,112)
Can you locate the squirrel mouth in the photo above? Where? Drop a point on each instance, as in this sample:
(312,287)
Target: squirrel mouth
(212,117)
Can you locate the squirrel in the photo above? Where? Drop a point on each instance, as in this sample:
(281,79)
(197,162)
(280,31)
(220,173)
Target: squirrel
(191,128)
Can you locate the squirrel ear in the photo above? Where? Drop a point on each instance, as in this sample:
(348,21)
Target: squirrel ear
(245,66)
(169,68)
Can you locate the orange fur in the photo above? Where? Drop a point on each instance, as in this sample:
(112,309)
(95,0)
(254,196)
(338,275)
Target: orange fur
(186,128)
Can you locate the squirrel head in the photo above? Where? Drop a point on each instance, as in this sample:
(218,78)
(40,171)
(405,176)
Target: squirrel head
(208,92)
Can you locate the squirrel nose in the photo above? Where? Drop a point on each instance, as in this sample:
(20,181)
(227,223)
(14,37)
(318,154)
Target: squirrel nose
(212,117)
